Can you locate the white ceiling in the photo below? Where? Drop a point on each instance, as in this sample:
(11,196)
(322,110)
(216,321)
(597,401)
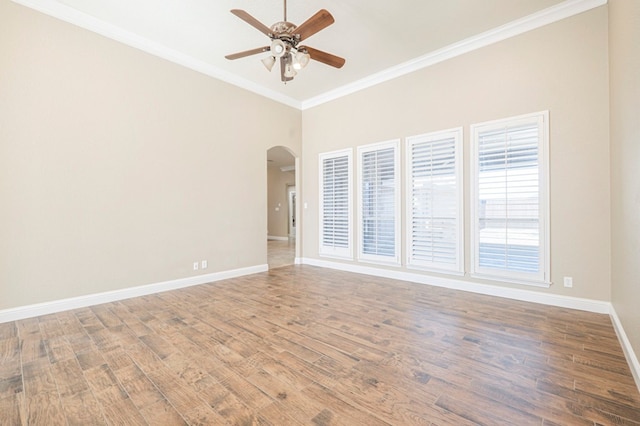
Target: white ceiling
(374,36)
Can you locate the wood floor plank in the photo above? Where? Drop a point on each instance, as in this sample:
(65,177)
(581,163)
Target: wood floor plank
(38,378)
(33,348)
(82,408)
(162,413)
(275,414)
(50,327)
(100,378)
(479,409)
(593,407)
(227,404)
(10,351)
(10,411)
(202,414)
(123,412)
(302,345)
(69,377)
(139,387)
(11,385)
(341,411)
(302,409)
(44,408)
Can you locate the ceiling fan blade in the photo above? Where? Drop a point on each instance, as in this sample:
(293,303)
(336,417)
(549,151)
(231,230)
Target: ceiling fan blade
(321,20)
(252,21)
(248,53)
(324,57)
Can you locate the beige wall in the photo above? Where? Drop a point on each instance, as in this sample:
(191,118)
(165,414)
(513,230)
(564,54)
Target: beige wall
(562,68)
(624,51)
(277,182)
(115,165)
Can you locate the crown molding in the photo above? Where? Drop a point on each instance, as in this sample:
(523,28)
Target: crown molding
(73,16)
(536,20)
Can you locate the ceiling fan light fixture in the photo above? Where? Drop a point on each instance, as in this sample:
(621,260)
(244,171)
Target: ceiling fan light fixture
(301,60)
(289,71)
(268,62)
(278,48)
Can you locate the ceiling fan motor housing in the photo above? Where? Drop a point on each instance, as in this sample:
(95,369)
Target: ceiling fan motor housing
(284,31)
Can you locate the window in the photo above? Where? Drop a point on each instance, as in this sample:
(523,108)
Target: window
(379,203)
(335,204)
(509,199)
(435,236)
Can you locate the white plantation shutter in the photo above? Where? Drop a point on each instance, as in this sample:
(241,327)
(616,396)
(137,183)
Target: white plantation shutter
(434,190)
(510,198)
(335,204)
(379,202)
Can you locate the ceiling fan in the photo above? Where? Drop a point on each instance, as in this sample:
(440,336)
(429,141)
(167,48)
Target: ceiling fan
(285,38)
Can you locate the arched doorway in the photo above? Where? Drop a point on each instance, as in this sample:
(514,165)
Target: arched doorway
(282,220)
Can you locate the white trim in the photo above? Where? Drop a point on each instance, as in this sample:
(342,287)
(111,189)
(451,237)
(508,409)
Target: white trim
(29,311)
(394,260)
(629,353)
(541,278)
(536,20)
(326,251)
(458,134)
(531,22)
(274,238)
(590,305)
(73,16)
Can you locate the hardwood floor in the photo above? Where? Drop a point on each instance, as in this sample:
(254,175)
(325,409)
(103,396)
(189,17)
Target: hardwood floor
(281,253)
(304,345)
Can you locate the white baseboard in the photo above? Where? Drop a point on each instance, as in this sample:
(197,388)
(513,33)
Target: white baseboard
(590,305)
(297,261)
(629,353)
(29,311)
(274,238)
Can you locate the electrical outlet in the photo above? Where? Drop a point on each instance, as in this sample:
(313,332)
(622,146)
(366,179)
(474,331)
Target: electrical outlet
(195,266)
(204,264)
(568,281)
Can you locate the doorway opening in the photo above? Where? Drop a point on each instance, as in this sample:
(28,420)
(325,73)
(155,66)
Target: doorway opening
(291,199)
(281,207)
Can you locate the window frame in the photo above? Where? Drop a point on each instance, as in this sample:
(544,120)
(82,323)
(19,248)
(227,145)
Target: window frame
(332,251)
(394,260)
(457,268)
(542,278)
